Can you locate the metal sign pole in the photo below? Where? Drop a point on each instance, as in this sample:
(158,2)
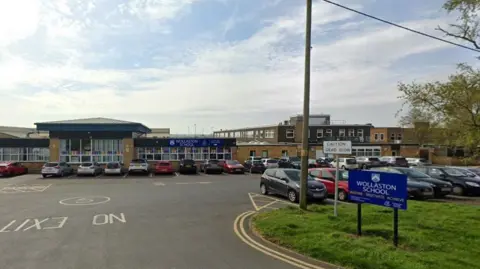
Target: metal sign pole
(395,227)
(337,175)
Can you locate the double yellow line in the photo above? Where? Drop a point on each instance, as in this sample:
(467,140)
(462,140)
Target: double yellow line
(239,229)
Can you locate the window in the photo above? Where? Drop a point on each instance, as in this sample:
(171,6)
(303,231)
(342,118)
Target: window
(399,136)
(392,136)
(329,133)
(264,153)
(91,150)
(341,132)
(359,133)
(290,133)
(366,151)
(24,154)
(326,175)
(382,136)
(249,134)
(284,153)
(315,173)
(375,136)
(270,134)
(252,153)
(179,153)
(351,132)
(319,133)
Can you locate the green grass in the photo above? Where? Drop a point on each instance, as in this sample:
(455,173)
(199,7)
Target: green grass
(432,235)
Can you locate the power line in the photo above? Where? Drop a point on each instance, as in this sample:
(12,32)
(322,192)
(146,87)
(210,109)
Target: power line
(402,27)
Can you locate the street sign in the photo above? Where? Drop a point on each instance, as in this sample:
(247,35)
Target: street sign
(378,188)
(337,147)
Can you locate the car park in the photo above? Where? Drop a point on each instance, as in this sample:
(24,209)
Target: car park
(211,166)
(369,162)
(8,169)
(327,177)
(187,166)
(286,182)
(462,184)
(318,163)
(417,161)
(270,163)
(255,167)
(416,189)
(295,162)
(60,169)
(163,167)
(89,169)
(233,167)
(394,161)
(138,166)
(467,172)
(346,163)
(114,168)
(441,188)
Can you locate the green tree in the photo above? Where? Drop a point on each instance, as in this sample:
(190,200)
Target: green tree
(420,125)
(452,106)
(467,27)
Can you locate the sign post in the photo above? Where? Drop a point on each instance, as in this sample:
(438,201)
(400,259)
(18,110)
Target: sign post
(337,148)
(378,188)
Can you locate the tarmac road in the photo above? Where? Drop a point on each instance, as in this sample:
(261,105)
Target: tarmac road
(158,222)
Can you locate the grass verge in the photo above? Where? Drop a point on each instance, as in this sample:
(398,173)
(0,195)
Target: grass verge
(432,235)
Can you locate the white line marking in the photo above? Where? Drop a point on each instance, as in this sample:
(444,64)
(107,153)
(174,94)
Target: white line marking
(253,202)
(60,224)
(126,174)
(74,199)
(176,174)
(37,224)
(267,205)
(4,229)
(150,175)
(187,183)
(158,184)
(21,225)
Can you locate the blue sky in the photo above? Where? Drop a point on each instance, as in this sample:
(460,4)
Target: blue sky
(213,63)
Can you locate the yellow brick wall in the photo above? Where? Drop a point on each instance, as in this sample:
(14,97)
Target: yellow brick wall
(275,151)
(54,149)
(128,150)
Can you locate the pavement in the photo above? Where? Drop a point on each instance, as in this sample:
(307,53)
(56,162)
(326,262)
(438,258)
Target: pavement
(136,221)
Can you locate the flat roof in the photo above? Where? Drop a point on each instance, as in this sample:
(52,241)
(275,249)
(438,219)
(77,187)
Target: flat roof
(93,124)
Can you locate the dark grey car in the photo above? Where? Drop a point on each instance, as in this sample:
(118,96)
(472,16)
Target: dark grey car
(286,182)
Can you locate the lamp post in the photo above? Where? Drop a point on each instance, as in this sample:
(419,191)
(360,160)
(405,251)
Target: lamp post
(306,108)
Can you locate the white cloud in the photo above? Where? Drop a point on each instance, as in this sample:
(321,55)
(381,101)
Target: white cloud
(18,19)
(257,75)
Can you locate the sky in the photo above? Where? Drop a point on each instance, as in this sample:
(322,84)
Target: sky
(214,64)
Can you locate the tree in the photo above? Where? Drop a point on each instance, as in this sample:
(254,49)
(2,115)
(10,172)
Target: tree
(452,106)
(467,27)
(420,125)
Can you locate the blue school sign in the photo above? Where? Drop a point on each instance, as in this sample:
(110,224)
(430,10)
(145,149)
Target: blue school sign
(201,142)
(378,188)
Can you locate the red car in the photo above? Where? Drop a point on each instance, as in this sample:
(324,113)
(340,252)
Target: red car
(233,166)
(327,177)
(12,169)
(164,167)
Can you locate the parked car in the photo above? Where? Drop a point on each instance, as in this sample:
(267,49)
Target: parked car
(139,166)
(441,188)
(467,172)
(56,169)
(284,162)
(8,169)
(256,167)
(286,182)
(164,167)
(233,166)
(394,161)
(114,168)
(417,161)
(253,158)
(211,166)
(327,177)
(346,163)
(295,162)
(474,170)
(270,163)
(462,184)
(369,162)
(416,189)
(187,166)
(318,163)
(90,169)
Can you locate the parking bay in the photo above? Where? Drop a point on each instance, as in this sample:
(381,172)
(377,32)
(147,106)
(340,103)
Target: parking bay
(134,222)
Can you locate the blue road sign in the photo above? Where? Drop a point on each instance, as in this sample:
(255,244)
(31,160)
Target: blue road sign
(378,188)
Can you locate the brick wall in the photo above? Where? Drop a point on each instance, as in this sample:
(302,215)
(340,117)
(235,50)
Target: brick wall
(275,151)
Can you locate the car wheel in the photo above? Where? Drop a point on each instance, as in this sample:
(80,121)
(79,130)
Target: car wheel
(62,174)
(342,195)
(343,167)
(458,190)
(263,189)
(44,176)
(292,196)
(364,167)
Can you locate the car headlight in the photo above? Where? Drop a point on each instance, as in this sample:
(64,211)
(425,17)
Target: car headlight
(473,184)
(296,185)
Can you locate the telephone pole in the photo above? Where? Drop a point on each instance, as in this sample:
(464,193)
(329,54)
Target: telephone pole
(306,108)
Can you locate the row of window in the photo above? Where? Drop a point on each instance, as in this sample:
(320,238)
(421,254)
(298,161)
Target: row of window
(24,154)
(381,136)
(178,153)
(290,133)
(366,152)
(91,150)
(268,133)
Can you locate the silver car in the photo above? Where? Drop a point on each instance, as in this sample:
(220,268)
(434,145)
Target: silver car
(89,169)
(56,169)
(114,168)
(270,163)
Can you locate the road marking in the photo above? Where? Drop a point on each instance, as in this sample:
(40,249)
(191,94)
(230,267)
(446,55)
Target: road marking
(36,224)
(89,200)
(267,205)
(242,234)
(72,175)
(188,183)
(110,218)
(24,188)
(176,174)
(253,203)
(150,175)
(126,175)
(260,198)
(99,176)
(158,184)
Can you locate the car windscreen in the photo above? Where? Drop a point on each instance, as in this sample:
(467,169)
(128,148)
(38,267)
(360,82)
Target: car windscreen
(272,161)
(412,173)
(112,165)
(51,164)
(373,159)
(454,172)
(137,161)
(294,159)
(233,162)
(257,162)
(343,175)
(87,164)
(163,164)
(188,161)
(351,161)
(295,175)
(213,161)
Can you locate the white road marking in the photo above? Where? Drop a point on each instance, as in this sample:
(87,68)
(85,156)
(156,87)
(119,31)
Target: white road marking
(24,188)
(21,225)
(253,203)
(60,224)
(150,175)
(4,229)
(158,184)
(98,176)
(176,174)
(126,175)
(188,183)
(92,200)
(108,219)
(36,224)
